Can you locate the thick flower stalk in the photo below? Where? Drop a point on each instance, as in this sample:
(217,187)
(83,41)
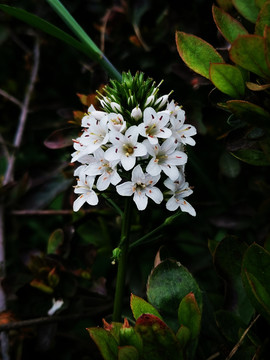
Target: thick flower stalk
(136,143)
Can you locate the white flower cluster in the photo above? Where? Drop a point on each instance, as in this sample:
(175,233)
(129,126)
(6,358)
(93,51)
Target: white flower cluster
(134,157)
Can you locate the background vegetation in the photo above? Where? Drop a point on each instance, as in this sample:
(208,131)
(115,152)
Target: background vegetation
(53,253)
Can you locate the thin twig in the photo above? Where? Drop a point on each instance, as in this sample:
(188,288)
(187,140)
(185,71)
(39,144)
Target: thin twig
(47,320)
(10,98)
(236,347)
(212,357)
(23,114)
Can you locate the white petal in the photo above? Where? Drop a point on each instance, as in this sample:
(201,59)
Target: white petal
(140,200)
(177,158)
(139,150)
(125,189)
(128,162)
(112,153)
(137,174)
(153,168)
(155,194)
(164,133)
(92,198)
(172,204)
(186,207)
(103,181)
(115,178)
(171,171)
(78,203)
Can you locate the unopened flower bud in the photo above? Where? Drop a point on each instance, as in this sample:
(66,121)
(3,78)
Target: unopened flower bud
(136,113)
(161,101)
(115,106)
(150,100)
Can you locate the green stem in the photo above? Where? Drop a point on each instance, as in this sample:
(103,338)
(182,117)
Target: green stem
(95,53)
(122,262)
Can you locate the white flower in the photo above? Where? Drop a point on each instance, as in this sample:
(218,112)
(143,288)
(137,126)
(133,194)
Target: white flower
(154,125)
(95,135)
(165,158)
(91,116)
(80,150)
(106,170)
(141,187)
(180,190)
(115,106)
(162,100)
(180,131)
(116,122)
(136,113)
(125,147)
(57,304)
(84,187)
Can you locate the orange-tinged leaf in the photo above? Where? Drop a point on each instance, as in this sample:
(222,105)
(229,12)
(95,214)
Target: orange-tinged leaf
(229,27)
(197,53)
(248,51)
(263,19)
(257,87)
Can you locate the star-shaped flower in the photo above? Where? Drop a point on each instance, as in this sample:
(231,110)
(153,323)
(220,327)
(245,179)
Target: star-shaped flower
(125,148)
(179,190)
(95,135)
(84,187)
(141,187)
(154,125)
(107,170)
(165,158)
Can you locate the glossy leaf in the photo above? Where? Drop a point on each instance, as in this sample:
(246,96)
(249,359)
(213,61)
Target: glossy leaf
(248,51)
(228,79)
(168,284)
(41,286)
(197,53)
(55,241)
(128,353)
(249,112)
(229,27)
(189,315)
(263,19)
(255,275)
(226,5)
(139,307)
(183,336)
(44,25)
(260,3)
(159,341)
(105,342)
(247,8)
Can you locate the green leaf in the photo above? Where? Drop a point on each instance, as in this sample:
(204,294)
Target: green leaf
(228,79)
(105,342)
(128,353)
(139,307)
(260,3)
(197,53)
(263,19)
(248,51)
(250,113)
(227,25)
(267,44)
(168,284)
(45,26)
(55,241)
(247,8)
(183,336)
(128,336)
(255,276)
(159,341)
(228,257)
(189,315)
(230,325)
(252,157)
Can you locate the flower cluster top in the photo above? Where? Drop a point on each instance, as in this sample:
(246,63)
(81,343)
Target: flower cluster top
(136,143)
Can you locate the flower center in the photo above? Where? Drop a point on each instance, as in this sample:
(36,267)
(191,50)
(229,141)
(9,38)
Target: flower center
(128,149)
(151,130)
(161,158)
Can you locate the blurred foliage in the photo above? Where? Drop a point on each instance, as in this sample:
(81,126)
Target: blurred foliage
(53,253)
